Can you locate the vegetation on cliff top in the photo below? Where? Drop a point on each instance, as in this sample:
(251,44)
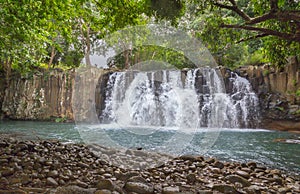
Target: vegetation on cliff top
(41,33)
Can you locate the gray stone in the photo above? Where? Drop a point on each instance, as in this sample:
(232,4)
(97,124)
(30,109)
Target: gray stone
(191,178)
(138,179)
(243,174)
(171,190)
(81,184)
(224,188)
(218,164)
(51,182)
(284,190)
(53,174)
(238,179)
(73,189)
(125,176)
(13,191)
(3,182)
(7,172)
(205,192)
(138,187)
(82,165)
(105,184)
(104,191)
(253,189)
(251,164)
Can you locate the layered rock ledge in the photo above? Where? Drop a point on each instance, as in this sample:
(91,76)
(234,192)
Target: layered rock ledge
(54,167)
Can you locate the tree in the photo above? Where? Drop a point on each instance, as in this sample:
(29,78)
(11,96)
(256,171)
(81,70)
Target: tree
(267,18)
(95,19)
(273,21)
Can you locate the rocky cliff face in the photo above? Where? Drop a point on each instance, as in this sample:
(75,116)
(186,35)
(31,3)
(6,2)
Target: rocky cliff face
(50,95)
(42,96)
(279,94)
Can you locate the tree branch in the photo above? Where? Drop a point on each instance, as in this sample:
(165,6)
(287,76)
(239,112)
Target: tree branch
(282,35)
(233,8)
(252,37)
(283,16)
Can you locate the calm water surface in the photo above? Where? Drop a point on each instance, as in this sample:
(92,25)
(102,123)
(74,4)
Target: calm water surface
(231,145)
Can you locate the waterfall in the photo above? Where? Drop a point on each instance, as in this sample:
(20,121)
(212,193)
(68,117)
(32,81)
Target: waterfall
(183,99)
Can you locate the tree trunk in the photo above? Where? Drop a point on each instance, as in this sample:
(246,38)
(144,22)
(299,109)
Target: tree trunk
(88,48)
(51,57)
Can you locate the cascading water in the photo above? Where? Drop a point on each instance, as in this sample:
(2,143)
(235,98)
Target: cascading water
(171,98)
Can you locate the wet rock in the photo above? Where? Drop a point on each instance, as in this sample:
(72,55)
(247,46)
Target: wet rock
(125,176)
(53,174)
(284,190)
(253,189)
(13,191)
(81,184)
(3,183)
(82,165)
(191,178)
(7,172)
(14,180)
(51,182)
(215,170)
(138,187)
(205,192)
(238,179)
(34,190)
(243,174)
(224,188)
(191,158)
(210,160)
(74,190)
(104,191)
(105,184)
(3,160)
(171,190)
(251,164)
(218,164)
(26,179)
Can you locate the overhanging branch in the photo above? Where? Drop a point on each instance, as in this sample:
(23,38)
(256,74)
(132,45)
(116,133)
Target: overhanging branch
(233,8)
(252,37)
(282,35)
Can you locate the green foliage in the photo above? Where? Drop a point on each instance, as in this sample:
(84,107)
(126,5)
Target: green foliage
(170,10)
(277,34)
(60,119)
(256,58)
(166,56)
(279,108)
(297,112)
(33,33)
(266,72)
(298,92)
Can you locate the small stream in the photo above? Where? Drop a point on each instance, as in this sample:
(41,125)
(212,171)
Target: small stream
(240,145)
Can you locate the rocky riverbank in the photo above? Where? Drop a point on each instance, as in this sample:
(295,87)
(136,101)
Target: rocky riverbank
(54,167)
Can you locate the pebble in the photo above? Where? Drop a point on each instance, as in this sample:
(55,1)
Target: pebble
(33,169)
(238,179)
(224,188)
(171,190)
(51,182)
(105,184)
(138,187)
(53,174)
(243,174)
(7,172)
